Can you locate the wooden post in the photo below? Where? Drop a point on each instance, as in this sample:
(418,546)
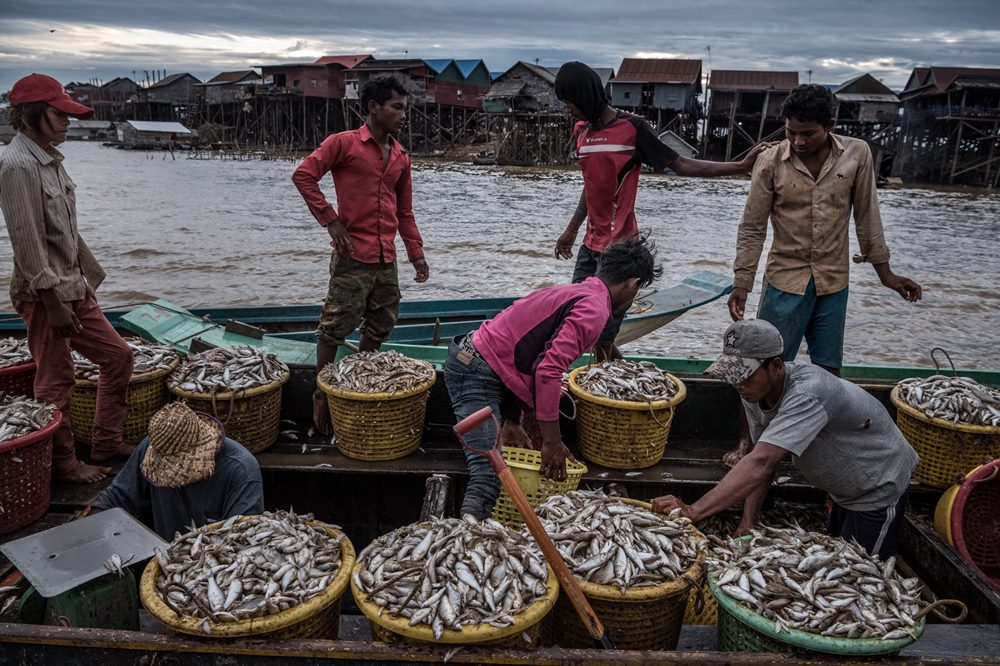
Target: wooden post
(732,126)
(763,116)
(958,141)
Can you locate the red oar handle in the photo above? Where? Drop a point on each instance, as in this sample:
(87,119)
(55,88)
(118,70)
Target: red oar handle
(473,421)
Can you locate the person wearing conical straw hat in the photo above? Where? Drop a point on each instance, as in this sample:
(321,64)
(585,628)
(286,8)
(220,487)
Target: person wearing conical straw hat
(186,472)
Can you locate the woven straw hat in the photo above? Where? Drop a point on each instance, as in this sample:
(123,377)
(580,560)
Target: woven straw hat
(182,446)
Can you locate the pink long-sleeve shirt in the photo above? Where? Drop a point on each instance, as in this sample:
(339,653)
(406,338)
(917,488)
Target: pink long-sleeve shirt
(533,342)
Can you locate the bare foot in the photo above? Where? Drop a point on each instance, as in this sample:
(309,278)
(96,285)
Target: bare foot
(121,451)
(732,457)
(321,414)
(84,473)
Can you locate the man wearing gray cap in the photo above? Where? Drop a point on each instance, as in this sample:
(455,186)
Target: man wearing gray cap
(841,438)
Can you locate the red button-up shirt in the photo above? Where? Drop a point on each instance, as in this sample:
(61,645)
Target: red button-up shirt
(374,200)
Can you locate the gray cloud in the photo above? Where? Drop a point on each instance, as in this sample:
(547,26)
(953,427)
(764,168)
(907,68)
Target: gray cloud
(834,40)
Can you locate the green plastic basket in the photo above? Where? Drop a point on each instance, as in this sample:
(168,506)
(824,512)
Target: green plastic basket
(743,630)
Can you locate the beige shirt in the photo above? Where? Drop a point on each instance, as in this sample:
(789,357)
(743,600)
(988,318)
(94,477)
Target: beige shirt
(38,200)
(810,218)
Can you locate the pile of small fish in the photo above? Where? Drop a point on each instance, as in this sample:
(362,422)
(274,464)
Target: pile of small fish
(14,351)
(955,399)
(146,357)
(817,583)
(248,568)
(634,381)
(21,416)
(377,372)
(782,514)
(227,369)
(606,541)
(451,573)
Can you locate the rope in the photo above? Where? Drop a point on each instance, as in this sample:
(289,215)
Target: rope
(232,405)
(670,406)
(937,366)
(933,607)
(699,597)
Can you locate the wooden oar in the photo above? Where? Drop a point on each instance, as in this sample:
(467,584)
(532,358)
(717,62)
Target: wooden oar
(572,589)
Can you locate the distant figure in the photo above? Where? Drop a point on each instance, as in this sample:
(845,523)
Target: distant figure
(371,174)
(612,145)
(808,185)
(840,438)
(186,472)
(514,363)
(55,276)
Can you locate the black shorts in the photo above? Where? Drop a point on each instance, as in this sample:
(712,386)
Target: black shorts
(877,531)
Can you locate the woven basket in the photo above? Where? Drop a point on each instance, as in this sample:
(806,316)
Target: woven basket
(524,465)
(967,517)
(26,476)
(391,629)
(622,434)
(642,618)
(948,451)
(252,417)
(147,392)
(743,630)
(377,426)
(18,379)
(318,617)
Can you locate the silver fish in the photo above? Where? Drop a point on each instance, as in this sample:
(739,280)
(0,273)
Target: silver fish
(146,357)
(955,399)
(20,416)
(14,351)
(377,372)
(227,369)
(634,381)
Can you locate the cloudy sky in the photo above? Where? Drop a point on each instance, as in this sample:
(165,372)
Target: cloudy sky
(84,39)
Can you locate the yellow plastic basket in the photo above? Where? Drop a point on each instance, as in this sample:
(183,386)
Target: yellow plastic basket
(648,617)
(524,465)
(622,434)
(391,629)
(948,451)
(377,426)
(318,617)
(147,392)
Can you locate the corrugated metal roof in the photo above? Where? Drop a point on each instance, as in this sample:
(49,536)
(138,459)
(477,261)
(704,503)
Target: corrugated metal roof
(505,89)
(233,77)
(733,79)
(889,98)
(347,61)
(466,67)
(167,80)
(152,126)
(659,70)
(76,123)
(390,65)
(438,65)
(542,72)
(935,80)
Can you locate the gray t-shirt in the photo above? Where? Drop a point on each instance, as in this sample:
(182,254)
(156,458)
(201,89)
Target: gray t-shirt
(234,489)
(840,437)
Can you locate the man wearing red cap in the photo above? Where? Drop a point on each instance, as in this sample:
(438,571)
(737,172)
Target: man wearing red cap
(55,275)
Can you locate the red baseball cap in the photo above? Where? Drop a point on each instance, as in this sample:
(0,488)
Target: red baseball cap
(42,88)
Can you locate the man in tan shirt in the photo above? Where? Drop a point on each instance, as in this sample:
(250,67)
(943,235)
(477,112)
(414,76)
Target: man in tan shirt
(808,186)
(55,274)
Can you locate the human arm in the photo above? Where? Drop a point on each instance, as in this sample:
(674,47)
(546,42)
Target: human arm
(751,505)
(564,245)
(689,166)
(321,161)
(408,231)
(751,236)
(130,490)
(756,468)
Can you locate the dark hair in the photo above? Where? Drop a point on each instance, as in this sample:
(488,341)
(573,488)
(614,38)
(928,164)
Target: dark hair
(810,103)
(631,258)
(379,90)
(27,116)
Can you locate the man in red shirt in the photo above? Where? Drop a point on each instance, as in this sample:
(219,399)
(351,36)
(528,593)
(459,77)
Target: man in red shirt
(371,174)
(612,145)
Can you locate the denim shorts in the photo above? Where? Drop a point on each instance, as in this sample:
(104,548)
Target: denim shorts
(820,319)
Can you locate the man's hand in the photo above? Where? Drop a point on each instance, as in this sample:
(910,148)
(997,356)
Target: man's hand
(423,270)
(554,456)
(730,458)
(737,303)
(512,434)
(339,239)
(564,246)
(62,319)
(904,286)
(747,162)
(668,503)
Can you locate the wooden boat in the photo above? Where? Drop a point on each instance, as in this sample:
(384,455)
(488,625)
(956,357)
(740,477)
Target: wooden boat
(368,499)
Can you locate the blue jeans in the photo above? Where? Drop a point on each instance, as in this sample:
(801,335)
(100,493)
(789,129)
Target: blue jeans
(472,385)
(820,319)
(588,263)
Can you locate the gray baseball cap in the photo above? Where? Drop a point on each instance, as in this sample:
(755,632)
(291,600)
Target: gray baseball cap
(746,345)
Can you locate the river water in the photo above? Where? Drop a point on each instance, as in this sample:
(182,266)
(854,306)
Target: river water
(210,232)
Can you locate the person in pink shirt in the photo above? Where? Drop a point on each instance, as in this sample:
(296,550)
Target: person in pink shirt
(514,363)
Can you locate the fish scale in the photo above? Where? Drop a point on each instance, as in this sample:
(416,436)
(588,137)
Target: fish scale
(816,583)
(426,572)
(632,554)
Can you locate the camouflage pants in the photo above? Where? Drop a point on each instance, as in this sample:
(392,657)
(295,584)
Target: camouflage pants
(359,293)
